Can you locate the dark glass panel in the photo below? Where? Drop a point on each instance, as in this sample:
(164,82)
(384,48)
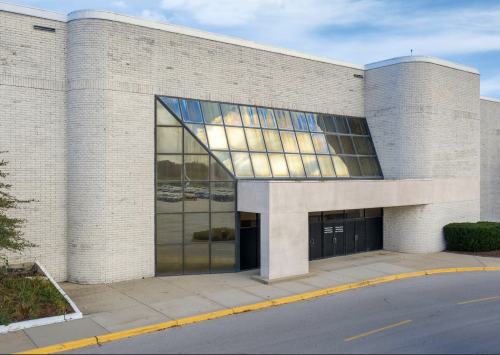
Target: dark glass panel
(333,215)
(211,112)
(315,122)
(191,145)
(196,259)
(173,104)
(169,228)
(169,259)
(223,227)
(242,165)
(366,166)
(315,216)
(349,214)
(267,118)
(355,126)
(217,172)
(347,145)
(196,227)
(223,196)
(196,197)
(191,111)
(361,147)
(164,117)
(373,212)
(284,120)
(299,121)
(225,159)
(341,125)
(195,167)
(250,116)
(248,219)
(340,166)
(353,165)
(169,197)
(169,140)
(168,167)
(378,171)
(223,257)
(329,123)
(334,144)
(231,114)
(369,144)
(364,126)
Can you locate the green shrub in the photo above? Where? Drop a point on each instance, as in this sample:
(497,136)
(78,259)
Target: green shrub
(475,237)
(218,234)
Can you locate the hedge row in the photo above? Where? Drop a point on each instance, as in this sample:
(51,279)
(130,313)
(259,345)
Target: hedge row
(475,237)
(218,234)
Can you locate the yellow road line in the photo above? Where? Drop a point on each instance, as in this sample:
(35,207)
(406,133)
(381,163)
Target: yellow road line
(482,299)
(378,330)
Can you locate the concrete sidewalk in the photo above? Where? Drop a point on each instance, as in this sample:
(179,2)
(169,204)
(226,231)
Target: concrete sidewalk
(125,305)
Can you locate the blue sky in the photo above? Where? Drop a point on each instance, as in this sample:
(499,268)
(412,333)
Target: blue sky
(361,31)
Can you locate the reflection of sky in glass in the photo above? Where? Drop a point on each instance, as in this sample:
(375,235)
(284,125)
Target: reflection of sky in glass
(173,104)
(217,137)
(267,118)
(255,140)
(242,165)
(273,142)
(211,112)
(250,117)
(289,142)
(191,111)
(278,165)
(315,122)
(340,167)
(320,143)
(236,138)
(231,114)
(260,165)
(295,165)
(299,121)
(225,159)
(311,165)
(199,131)
(164,117)
(325,164)
(284,120)
(305,143)
(169,140)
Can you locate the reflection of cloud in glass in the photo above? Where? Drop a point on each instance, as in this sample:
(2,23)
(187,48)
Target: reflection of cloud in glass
(325,164)
(211,112)
(169,140)
(340,167)
(278,165)
(260,165)
(295,165)
(242,165)
(236,138)
(217,137)
(311,165)
(250,117)
(255,140)
(289,142)
(231,114)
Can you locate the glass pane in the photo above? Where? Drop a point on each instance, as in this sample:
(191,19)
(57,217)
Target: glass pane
(373,212)
(315,216)
(278,165)
(355,126)
(334,144)
(242,165)
(196,227)
(196,197)
(369,144)
(325,164)
(199,131)
(236,138)
(315,122)
(353,164)
(169,259)
(248,219)
(223,257)
(284,120)
(169,197)
(295,165)
(169,229)
(191,111)
(347,145)
(320,143)
(341,125)
(364,126)
(223,196)
(311,165)
(163,117)
(361,147)
(169,140)
(273,142)
(329,124)
(196,259)
(173,104)
(299,121)
(260,165)
(333,215)
(267,118)
(231,114)
(255,140)
(211,112)
(376,166)
(354,214)
(168,167)
(366,166)
(217,172)
(289,142)
(191,145)
(225,158)
(217,137)
(223,227)
(340,167)
(195,167)
(305,143)
(250,116)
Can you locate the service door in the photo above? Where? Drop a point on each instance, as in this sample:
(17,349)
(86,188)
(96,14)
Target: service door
(350,235)
(360,236)
(249,248)
(339,238)
(315,238)
(374,233)
(329,239)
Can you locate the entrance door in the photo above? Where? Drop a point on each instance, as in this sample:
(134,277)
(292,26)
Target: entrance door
(329,239)
(249,248)
(374,233)
(339,239)
(350,237)
(315,239)
(360,236)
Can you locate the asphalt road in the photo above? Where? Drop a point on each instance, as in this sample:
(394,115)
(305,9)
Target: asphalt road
(322,325)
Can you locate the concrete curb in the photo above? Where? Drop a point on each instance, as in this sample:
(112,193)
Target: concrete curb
(280,301)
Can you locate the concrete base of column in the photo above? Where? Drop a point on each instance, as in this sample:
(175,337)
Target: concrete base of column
(282,279)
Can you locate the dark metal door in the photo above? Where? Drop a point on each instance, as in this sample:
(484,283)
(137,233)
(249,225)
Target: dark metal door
(350,242)
(315,239)
(360,236)
(249,248)
(339,238)
(374,234)
(328,239)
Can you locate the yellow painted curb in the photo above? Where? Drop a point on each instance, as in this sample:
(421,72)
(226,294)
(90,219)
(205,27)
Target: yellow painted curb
(383,279)
(465,269)
(410,274)
(286,300)
(312,294)
(206,316)
(440,271)
(62,347)
(338,289)
(491,268)
(359,284)
(136,331)
(252,307)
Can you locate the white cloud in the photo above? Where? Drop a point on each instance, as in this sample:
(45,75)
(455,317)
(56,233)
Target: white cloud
(491,86)
(153,15)
(120,4)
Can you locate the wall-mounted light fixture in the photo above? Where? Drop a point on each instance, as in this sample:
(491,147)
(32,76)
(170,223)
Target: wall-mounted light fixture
(358,76)
(41,28)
